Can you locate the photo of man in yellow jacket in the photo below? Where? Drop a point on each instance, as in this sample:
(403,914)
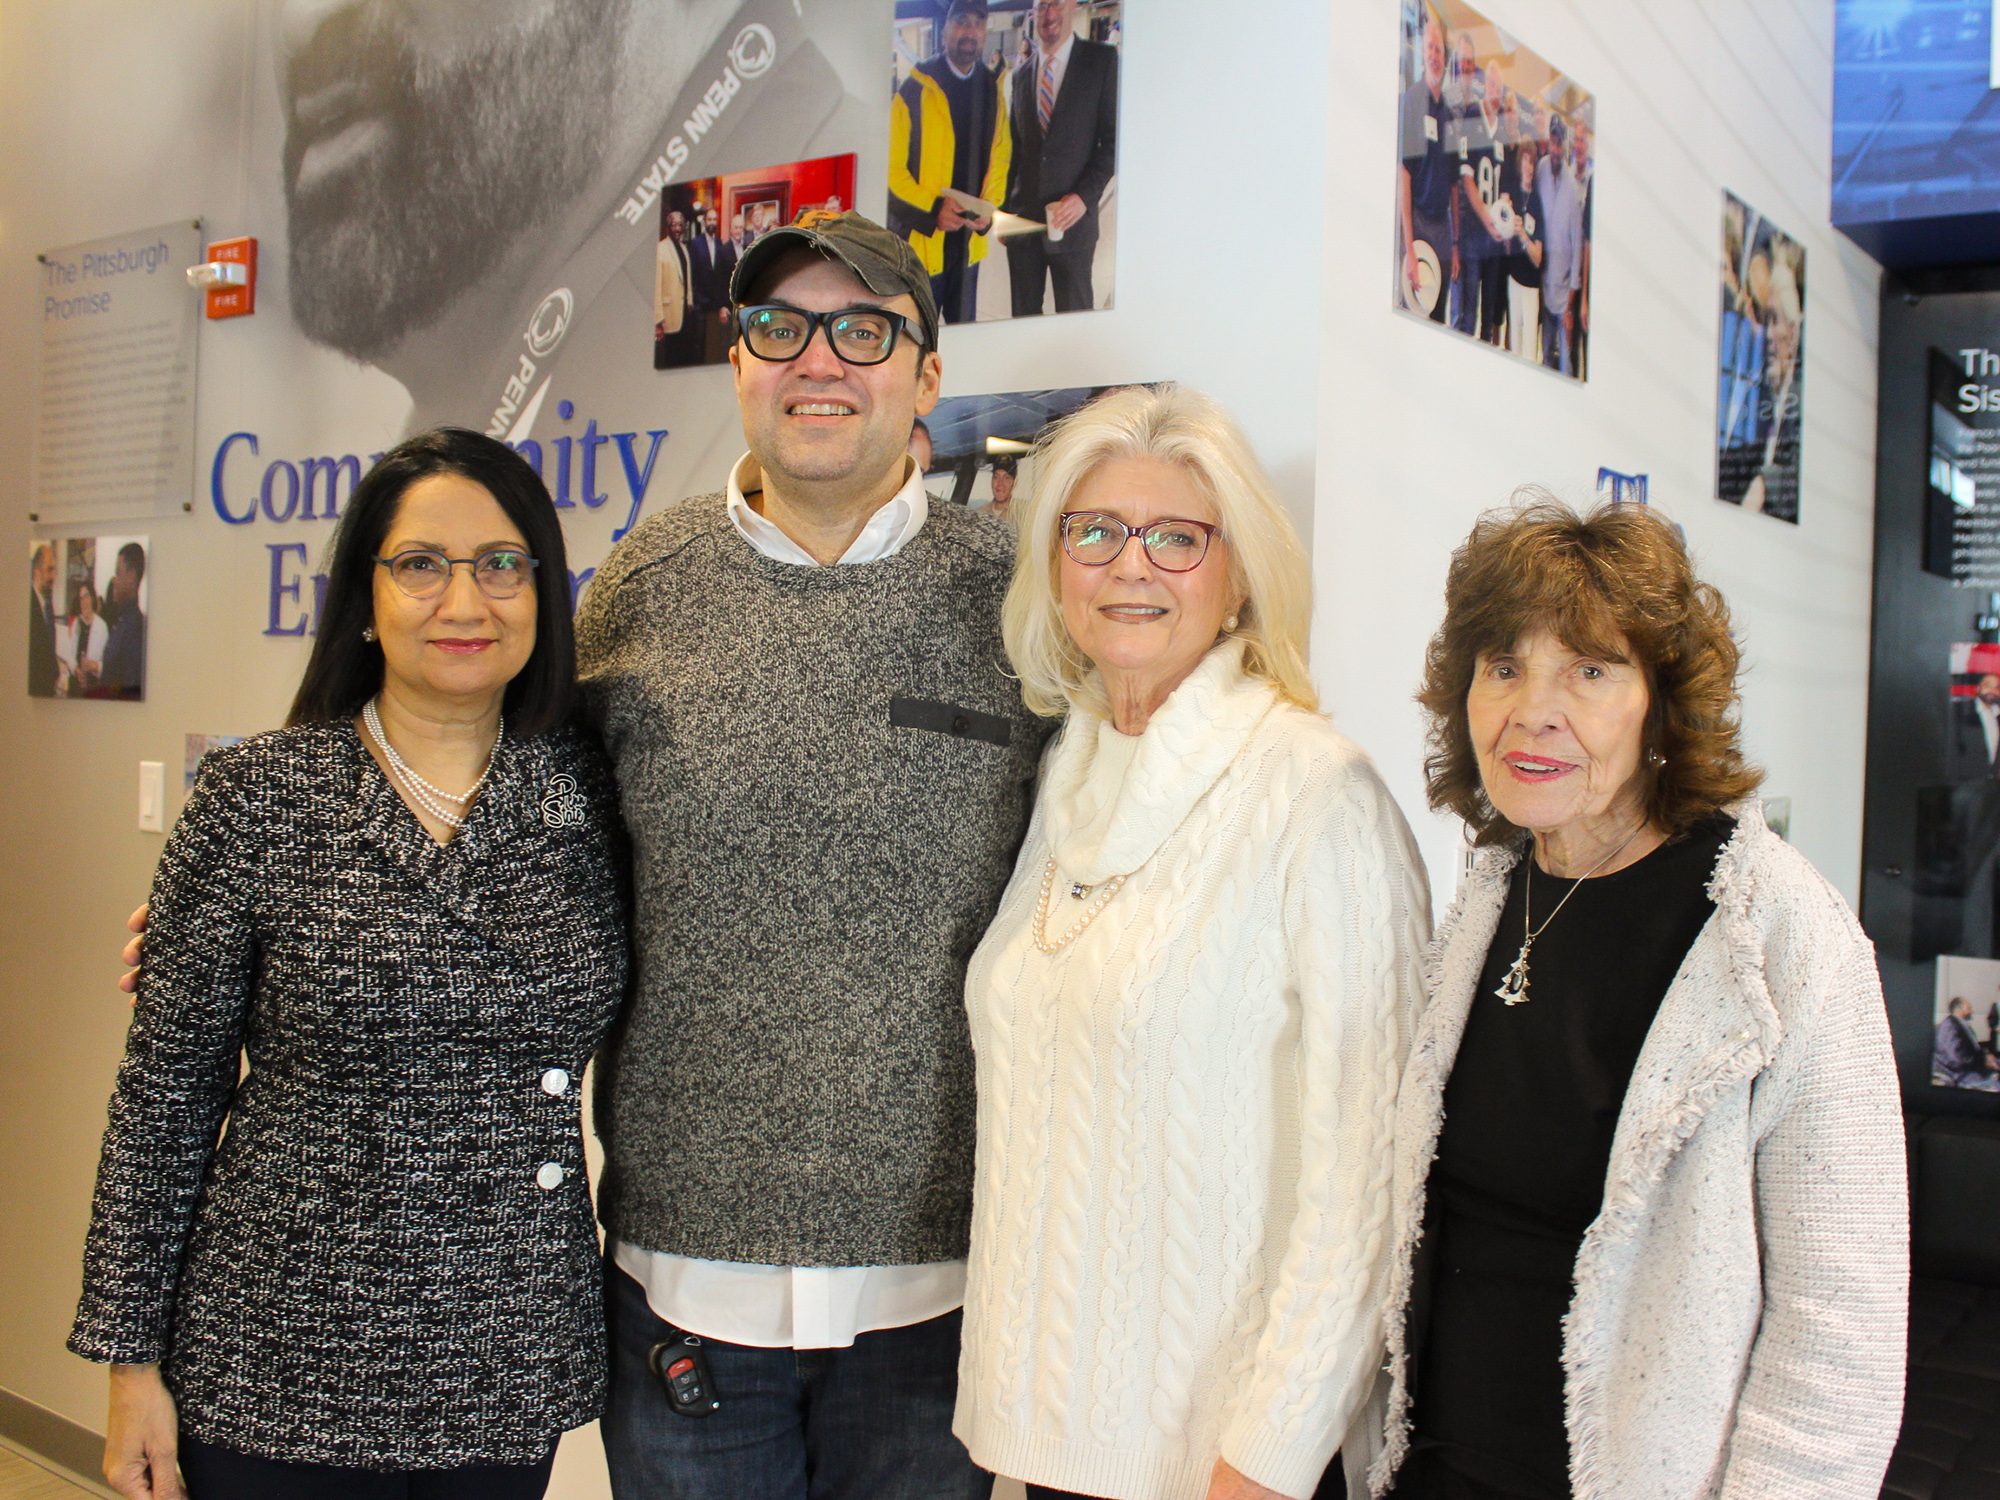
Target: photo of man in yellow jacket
(948,136)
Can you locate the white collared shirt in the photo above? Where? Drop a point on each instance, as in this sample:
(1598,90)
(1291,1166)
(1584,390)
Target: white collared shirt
(888,531)
(800,1307)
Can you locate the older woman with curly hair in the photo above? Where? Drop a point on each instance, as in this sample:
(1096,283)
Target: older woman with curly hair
(1191,1009)
(1650,1173)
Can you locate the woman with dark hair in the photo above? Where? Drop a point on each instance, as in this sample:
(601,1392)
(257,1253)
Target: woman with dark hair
(84,635)
(403,910)
(1649,1163)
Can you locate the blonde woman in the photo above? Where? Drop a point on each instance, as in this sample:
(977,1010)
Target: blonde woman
(1191,1009)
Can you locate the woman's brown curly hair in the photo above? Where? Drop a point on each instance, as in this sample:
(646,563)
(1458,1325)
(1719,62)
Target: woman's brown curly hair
(1614,584)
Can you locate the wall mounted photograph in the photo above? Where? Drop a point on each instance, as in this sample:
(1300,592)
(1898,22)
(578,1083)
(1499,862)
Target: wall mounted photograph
(1003,152)
(1494,178)
(87,600)
(1761,369)
(1965,1050)
(979,447)
(705,226)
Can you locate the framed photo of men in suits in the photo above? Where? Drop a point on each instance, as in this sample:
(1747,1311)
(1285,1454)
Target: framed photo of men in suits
(705,226)
(1003,152)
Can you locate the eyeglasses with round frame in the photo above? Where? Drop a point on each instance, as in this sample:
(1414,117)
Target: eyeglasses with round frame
(500,572)
(857,335)
(1173,545)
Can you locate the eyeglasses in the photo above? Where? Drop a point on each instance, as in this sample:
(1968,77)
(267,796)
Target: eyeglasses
(424,574)
(1094,540)
(858,335)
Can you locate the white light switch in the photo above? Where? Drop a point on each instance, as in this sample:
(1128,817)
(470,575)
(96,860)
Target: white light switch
(152,796)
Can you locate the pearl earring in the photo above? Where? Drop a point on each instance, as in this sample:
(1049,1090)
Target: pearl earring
(1229,622)
(367,632)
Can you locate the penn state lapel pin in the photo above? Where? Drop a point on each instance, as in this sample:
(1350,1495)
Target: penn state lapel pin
(562,803)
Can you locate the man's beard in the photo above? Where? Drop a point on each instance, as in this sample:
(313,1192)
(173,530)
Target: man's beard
(477,152)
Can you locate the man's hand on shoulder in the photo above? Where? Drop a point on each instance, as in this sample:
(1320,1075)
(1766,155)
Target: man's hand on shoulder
(135,923)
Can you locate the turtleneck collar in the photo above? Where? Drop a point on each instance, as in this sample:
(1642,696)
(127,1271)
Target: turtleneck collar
(1110,800)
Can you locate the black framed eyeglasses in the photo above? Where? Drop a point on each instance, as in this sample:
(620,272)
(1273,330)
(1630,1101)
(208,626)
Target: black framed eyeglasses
(858,335)
(501,573)
(1095,539)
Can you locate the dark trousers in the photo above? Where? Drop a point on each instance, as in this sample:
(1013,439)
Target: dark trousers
(870,1422)
(1029,261)
(1555,348)
(956,292)
(213,1472)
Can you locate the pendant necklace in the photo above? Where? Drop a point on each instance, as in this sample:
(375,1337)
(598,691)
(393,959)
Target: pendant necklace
(1514,988)
(1078,891)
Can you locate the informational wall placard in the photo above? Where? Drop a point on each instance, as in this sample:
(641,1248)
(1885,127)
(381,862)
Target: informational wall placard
(114,394)
(1962,534)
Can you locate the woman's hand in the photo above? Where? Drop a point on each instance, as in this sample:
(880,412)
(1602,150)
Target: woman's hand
(1226,1484)
(142,1437)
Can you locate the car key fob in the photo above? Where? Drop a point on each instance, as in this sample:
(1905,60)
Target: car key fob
(681,1363)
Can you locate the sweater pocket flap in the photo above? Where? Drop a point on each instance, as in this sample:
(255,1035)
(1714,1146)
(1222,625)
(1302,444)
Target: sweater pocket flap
(947,718)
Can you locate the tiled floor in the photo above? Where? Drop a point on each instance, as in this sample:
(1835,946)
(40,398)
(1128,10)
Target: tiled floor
(21,1480)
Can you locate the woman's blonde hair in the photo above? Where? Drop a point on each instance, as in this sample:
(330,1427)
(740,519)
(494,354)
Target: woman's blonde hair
(1174,425)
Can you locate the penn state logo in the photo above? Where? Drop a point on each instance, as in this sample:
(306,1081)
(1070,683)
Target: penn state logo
(562,804)
(551,321)
(753,51)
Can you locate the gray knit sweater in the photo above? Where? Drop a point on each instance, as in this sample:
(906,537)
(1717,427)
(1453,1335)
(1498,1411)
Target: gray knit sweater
(826,773)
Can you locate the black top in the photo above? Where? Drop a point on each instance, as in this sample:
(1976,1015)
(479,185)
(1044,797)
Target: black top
(388,1259)
(1426,120)
(1529,1116)
(1527,200)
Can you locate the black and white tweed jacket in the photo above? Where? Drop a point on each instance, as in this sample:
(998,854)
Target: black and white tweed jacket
(388,1259)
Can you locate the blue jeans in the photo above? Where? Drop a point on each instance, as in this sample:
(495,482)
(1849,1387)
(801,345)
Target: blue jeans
(870,1422)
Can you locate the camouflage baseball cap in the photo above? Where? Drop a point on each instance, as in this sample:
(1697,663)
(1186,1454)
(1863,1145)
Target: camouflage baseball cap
(884,262)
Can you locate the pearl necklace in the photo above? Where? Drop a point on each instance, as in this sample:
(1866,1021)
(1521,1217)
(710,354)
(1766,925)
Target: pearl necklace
(1104,895)
(432,799)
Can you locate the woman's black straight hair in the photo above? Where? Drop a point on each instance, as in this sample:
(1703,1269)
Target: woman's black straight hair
(345,671)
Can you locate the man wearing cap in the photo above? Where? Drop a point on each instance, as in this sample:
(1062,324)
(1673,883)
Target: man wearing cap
(826,773)
(948,132)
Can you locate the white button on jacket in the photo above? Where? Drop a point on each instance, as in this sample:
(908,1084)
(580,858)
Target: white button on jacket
(551,1175)
(555,1081)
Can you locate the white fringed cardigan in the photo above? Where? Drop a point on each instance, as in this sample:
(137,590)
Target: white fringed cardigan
(1739,1320)
(1181,1238)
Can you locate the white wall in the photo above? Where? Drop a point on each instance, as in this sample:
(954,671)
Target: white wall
(1420,430)
(1239,230)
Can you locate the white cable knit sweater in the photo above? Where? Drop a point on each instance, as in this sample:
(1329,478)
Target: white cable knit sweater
(1181,1237)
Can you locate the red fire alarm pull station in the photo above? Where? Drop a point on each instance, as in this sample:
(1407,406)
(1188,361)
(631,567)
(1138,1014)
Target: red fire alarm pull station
(233,299)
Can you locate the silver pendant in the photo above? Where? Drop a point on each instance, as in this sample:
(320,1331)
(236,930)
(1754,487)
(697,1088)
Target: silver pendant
(1078,889)
(1514,988)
